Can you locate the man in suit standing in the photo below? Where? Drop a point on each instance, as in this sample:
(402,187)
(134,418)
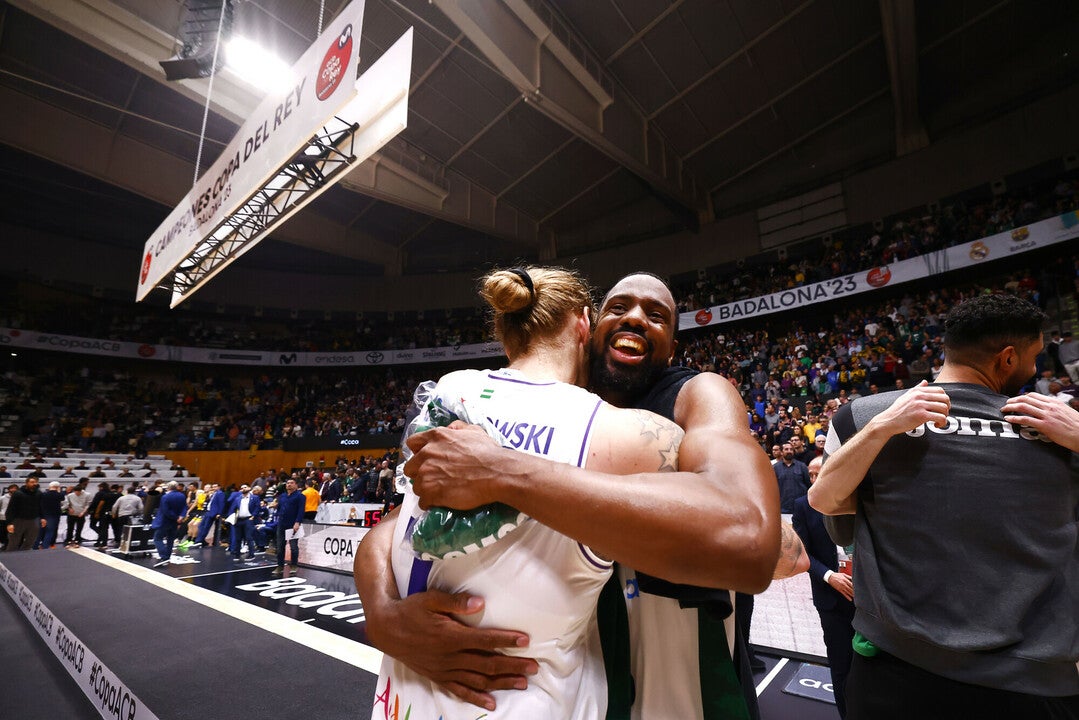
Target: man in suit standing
(833,591)
(330,490)
(290,511)
(215,505)
(171,513)
(246,506)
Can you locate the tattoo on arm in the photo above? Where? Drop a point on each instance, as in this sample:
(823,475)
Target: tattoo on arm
(662,434)
(790,552)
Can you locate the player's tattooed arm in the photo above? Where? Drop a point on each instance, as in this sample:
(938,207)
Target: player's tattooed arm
(792,554)
(663,436)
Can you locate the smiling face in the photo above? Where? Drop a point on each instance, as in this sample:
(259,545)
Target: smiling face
(633,340)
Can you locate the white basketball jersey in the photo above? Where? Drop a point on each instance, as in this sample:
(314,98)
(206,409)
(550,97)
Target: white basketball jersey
(533,580)
(666,654)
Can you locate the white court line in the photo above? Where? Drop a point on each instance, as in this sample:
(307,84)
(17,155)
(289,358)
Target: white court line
(771,676)
(226,572)
(347,651)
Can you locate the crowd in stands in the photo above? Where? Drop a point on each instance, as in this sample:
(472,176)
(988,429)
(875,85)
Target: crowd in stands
(103,408)
(792,382)
(855,349)
(908,234)
(905,236)
(33,307)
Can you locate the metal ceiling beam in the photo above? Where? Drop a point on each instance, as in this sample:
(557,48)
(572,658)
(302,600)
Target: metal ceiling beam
(801,138)
(134,42)
(742,51)
(899,25)
(391,175)
(71,140)
(769,104)
(640,34)
(555,72)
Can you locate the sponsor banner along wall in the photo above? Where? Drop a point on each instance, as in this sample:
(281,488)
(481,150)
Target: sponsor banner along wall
(331,547)
(111,698)
(1014,242)
(33,340)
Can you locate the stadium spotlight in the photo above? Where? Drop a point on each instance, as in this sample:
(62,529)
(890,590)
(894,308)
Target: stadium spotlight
(258,66)
(198,39)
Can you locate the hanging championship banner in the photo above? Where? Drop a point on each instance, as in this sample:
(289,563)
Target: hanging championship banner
(275,132)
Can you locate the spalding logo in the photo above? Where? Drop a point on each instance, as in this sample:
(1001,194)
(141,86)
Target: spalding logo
(703,317)
(146,267)
(334,64)
(878,276)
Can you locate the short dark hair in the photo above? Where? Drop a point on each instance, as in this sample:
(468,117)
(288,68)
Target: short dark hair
(982,326)
(646,273)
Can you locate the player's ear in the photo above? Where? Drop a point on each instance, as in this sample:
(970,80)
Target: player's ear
(584,325)
(1006,357)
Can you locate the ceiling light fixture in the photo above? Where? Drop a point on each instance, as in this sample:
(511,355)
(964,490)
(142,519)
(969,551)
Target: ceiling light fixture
(258,66)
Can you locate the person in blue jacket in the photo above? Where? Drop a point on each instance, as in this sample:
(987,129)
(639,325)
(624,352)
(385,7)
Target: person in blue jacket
(171,514)
(214,507)
(247,507)
(290,506)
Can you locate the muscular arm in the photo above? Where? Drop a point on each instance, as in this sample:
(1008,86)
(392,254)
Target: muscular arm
(844,470)
(714,523)
(421,631)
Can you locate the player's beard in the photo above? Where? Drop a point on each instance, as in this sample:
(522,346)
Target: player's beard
(626,380)
(1015,383)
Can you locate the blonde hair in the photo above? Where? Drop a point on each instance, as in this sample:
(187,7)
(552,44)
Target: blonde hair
(532,303)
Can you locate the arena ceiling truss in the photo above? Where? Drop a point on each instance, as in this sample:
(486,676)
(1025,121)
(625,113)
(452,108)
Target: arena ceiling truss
(537,129)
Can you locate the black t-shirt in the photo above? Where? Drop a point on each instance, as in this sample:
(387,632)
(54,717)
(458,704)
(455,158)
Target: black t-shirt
(965,542)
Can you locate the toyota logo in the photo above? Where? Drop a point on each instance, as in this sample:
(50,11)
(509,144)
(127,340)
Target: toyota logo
(374,358)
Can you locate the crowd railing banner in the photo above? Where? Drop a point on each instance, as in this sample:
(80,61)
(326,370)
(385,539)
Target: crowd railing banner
(34,340)
(995,247)
(1059,229)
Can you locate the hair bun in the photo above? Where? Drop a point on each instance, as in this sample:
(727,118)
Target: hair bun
(507,291)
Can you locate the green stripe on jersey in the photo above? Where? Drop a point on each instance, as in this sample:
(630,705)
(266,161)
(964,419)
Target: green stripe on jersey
(721,691)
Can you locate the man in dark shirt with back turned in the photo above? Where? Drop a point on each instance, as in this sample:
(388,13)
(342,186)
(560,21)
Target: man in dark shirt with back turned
(966,505)
(24,516)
